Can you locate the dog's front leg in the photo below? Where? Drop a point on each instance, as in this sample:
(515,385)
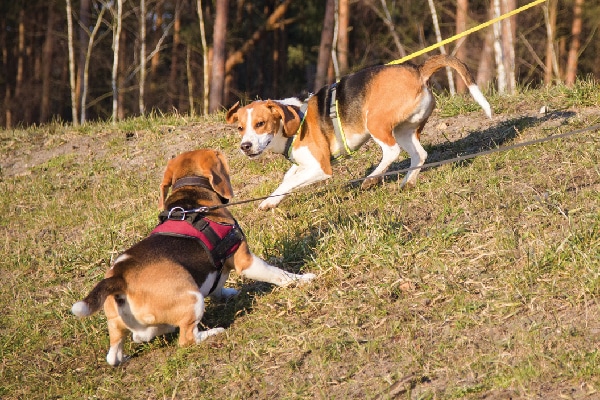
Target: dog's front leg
(297,176)
(259,270)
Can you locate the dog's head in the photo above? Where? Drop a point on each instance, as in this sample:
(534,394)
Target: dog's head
(260,121)
(210,164)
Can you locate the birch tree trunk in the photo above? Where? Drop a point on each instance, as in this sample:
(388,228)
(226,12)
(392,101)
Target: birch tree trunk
(572,60)
(551,70)
(141,103)
(498,53)
(86,67)
(117,20)
(205,68)
(71,63)
(84,37)
(438,36)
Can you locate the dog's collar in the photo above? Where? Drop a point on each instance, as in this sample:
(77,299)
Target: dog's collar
(337,124)
(196,181)
(287,151)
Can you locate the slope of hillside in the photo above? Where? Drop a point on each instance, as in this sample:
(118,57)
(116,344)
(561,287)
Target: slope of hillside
(481,282)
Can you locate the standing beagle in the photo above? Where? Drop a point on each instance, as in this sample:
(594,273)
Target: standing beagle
(389,103)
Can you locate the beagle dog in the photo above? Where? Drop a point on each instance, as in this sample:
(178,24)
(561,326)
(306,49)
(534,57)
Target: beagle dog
(160,283)
(389,103)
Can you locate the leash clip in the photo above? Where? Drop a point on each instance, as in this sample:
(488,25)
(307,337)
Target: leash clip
(177,209)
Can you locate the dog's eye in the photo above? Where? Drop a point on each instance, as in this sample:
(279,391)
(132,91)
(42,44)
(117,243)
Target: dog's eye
(240,128)
(260,123)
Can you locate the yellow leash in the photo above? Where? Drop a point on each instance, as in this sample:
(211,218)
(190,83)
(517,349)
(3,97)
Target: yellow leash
(467,32)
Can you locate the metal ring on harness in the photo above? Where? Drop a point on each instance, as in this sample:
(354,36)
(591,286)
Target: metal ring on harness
(180,209)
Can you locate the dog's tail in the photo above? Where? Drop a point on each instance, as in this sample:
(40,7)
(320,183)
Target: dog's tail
(440,61)
(94,301)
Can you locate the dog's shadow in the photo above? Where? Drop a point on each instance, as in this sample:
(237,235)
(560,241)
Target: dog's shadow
(475,141)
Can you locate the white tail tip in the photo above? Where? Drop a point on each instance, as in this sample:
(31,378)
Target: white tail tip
(81,309)
(480,99)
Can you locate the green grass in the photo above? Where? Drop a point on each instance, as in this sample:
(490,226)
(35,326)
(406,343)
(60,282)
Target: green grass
(481,282)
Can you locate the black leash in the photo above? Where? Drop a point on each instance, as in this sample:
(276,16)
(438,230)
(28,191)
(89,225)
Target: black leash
(429,165)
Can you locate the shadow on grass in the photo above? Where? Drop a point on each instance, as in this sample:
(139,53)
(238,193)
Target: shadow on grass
(474,142)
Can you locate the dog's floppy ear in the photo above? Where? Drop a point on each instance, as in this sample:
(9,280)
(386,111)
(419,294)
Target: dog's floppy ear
(289,116)
(219,176)
(165,184)
(231,116)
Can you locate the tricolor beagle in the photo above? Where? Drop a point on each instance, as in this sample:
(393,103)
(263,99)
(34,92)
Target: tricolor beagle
(390,103)
(161,282)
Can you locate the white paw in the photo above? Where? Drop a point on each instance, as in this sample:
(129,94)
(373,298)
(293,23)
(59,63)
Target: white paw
(305,278)
(224,294)
(270,202)
(203,335)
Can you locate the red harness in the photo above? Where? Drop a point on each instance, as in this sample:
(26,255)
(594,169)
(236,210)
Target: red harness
(219,240)
(210,234)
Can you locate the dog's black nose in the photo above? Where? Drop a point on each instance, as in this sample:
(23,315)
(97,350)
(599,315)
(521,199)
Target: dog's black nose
(245,146)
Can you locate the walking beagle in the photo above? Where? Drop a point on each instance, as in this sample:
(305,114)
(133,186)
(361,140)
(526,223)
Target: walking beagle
(390,103)
(161,282)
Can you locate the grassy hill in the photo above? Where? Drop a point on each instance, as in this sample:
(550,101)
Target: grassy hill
(481,282)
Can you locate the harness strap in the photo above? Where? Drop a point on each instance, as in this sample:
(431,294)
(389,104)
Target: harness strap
(220,241)
(287,151)
(337,125)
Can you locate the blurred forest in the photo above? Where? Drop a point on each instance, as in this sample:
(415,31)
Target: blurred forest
(79,60)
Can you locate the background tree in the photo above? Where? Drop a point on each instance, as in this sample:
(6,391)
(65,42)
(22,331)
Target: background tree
(217,83)
(270,47)
(572,60)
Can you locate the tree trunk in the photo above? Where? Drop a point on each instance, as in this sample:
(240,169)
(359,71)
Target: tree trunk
(205,69)
(485,69)
(572,60)
(142,79)
(47,53)
(438,36)
(462,11)
(84,38)
(71,63)
(20,53)
(117,20)
(173,86)
(157,28)
(217,82)
(7,94)
(326,45)
(86,67)
(551,69)
(508,44)
(498,49)
(342,41)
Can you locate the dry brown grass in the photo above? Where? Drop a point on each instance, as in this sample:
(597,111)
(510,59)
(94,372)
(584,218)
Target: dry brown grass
(482,282)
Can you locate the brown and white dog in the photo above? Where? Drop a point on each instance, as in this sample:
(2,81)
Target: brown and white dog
(390,103)
(161,282)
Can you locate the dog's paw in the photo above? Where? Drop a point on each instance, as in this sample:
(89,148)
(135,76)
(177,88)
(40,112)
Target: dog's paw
(270,202)
(370,183)
(224,294)
(203,335)
(305,278)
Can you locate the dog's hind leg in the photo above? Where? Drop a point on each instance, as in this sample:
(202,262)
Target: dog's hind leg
(408,138)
